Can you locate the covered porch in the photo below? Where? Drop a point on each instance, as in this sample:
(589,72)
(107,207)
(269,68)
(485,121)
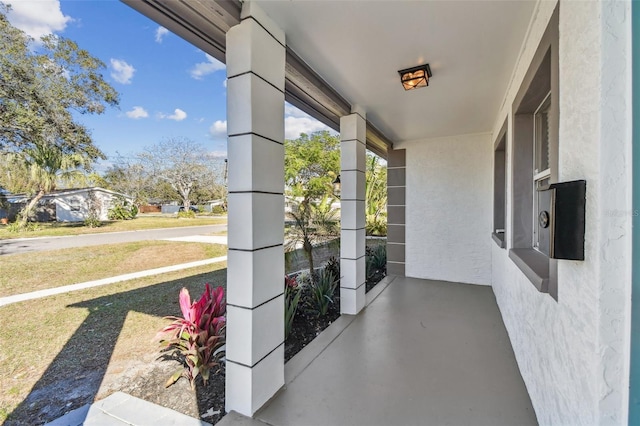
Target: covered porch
(524,95)
(422,352)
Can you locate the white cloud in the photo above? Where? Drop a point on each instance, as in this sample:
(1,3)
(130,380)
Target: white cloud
(296,122)
(38,18)
(224,83)
(218,129)
(205,68)
(137,112)
(178,115)
(160,33)
(122,71)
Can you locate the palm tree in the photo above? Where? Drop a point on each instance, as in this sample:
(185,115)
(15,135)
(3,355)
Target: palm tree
(376,196)
(47,164)
(316,221)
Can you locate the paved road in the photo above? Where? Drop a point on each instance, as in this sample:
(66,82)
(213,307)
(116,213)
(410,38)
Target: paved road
(26,245)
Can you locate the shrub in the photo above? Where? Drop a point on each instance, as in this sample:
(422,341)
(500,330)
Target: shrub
(197,338)
(19,226)
(14,227)
(379,256)
(186,215)
(121,209)
(291,299)
(92,222)
(322,290)
(376,259)
(333,266)
(218,210)
(376,225)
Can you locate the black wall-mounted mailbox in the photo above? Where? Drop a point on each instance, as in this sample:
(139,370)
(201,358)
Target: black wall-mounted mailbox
(567,220)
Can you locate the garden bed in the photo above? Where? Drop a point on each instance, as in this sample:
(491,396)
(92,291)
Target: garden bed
(140,372)
(207,402)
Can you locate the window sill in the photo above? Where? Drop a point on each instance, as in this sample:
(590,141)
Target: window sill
(498,238)
(534,265)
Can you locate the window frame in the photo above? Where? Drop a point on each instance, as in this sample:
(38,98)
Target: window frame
(499,234)
(541,82)
(540,176)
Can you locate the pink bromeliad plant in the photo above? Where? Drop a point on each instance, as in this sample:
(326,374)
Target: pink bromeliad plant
(199,337)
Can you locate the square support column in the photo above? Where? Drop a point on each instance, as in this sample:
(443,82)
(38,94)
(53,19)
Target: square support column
(353,130)
(255,269)
(396,206)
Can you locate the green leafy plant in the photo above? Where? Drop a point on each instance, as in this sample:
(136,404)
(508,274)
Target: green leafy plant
(20,226)
(315,221)
(333,266)
(376,259)
(198,337)
(376,196)
(322,291)
(376,224)
(186,215)
(122,209)
(292,295)
(92,222)
(218,210)
(379,256)
(14,227)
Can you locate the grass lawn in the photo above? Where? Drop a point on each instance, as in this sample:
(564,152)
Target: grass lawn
(58,349)
(27,272)
(56,229)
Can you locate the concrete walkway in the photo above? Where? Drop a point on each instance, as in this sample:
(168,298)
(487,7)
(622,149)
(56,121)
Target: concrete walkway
(120,409)
(422,353)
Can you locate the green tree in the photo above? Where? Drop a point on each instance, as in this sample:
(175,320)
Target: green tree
(376,196)
(312,163)
(47,165)
(41,86)
(315,221)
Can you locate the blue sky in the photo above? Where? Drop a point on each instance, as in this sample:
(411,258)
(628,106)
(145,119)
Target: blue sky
(168,88)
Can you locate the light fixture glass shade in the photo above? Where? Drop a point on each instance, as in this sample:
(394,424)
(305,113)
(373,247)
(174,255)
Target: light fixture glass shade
(415,77)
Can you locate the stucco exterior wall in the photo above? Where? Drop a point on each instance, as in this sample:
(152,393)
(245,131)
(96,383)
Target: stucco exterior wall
(448,210)
(573,353)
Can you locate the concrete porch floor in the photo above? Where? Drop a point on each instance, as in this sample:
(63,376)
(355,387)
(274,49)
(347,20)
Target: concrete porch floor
(422,353)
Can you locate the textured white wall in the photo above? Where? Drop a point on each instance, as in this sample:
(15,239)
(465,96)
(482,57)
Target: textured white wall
(449,208)
(573,354)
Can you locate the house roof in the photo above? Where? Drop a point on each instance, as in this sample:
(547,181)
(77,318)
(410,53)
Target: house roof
(63,192)
(346,54)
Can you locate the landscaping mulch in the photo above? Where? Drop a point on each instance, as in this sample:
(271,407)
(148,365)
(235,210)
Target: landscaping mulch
(307,325)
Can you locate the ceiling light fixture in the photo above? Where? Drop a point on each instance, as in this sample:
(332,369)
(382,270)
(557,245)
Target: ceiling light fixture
(415,77)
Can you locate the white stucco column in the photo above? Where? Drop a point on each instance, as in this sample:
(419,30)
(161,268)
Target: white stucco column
(352,237)
(255,274)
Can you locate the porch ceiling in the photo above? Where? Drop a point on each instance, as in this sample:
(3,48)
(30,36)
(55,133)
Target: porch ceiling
(358,47)
(348,53)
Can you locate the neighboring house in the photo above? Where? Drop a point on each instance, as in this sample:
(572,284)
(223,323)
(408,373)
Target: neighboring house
(524,94)
(68,205)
